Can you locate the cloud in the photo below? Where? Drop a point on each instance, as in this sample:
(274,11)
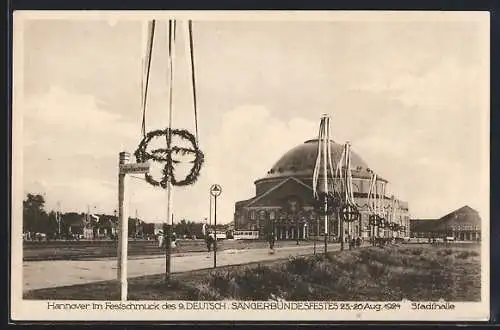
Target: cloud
(447,83)
(71,147)
(60,120)
(248,144)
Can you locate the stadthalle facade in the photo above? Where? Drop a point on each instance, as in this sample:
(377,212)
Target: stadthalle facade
(283,200)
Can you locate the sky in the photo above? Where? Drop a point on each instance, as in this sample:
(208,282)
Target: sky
(410,94)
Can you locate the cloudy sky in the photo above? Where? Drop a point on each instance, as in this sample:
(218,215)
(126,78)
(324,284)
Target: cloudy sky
(410,94)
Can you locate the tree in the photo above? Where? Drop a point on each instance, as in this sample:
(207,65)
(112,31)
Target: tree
(182,228)
(188,228)
(34,216)
(51,227)
(72,220)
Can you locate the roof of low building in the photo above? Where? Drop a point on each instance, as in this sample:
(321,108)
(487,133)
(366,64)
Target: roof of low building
(461,216)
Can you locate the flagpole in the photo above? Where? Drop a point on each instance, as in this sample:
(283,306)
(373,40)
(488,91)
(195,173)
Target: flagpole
(171,39)
(325,177)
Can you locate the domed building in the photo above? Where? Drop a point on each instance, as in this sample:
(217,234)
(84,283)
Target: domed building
(283,200)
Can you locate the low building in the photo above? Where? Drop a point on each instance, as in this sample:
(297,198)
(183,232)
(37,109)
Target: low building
(463,224)
(108,226)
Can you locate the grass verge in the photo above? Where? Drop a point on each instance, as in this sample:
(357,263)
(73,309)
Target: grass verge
(425,273)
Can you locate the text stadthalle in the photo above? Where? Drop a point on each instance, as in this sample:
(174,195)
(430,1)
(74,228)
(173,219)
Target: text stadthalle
(432,306)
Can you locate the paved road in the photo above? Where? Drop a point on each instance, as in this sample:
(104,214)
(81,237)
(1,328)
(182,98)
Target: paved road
(49,274)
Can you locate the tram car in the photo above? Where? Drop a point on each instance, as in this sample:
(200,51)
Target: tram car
(221,235)
(246,234)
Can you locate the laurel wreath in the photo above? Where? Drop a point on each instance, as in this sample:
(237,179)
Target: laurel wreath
(350,213)
(168,171)
(374,220)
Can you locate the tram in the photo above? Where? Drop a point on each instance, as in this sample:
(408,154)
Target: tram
(246,234)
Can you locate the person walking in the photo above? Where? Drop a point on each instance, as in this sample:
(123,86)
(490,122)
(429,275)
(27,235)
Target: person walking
(272,240)
(210,241)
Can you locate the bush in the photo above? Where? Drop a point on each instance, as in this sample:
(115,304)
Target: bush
(444,252)
(224,283)
(417,252)
(323,272)
(362,274)
(299,265)
(466,254)
(204,291)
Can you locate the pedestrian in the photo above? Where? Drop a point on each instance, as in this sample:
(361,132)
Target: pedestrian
(271,242)
(210,240)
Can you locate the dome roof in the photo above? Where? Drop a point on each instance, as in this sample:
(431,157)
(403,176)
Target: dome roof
(300,161)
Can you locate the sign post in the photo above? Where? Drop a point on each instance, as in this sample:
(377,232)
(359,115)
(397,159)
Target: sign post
(125,168)
(215,190)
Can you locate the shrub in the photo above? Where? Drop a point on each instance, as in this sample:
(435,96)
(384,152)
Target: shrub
(223,282)
(363,274)
(417,252)
(466,254)
(299,265)
(376,269)
(323,272)
(444,252)
(259,282)
(204,291)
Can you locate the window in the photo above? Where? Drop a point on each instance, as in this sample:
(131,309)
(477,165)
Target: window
(271,215)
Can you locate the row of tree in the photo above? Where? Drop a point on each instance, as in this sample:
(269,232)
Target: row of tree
(37,220)
(192,228)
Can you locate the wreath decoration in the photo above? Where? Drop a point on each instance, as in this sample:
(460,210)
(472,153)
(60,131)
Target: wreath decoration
(350,213)
(383,223)
(331,200)
(374,220)
(165,155)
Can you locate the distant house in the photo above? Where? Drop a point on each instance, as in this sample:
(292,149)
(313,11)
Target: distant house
(463,224)
(107,226)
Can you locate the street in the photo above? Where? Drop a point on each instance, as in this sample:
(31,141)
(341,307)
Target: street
(54,273)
